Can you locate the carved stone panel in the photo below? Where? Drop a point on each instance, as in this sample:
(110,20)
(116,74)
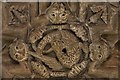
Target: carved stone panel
(60,40)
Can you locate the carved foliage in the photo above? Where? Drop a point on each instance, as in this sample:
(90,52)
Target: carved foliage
(18,13)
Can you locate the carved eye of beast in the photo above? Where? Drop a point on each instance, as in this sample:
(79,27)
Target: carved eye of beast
(99,51)
(18,51)
(57,13)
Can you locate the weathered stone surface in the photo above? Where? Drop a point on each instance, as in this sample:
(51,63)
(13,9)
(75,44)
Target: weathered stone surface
(60,40)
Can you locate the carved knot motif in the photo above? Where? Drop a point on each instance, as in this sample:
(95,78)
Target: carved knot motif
(59,48)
